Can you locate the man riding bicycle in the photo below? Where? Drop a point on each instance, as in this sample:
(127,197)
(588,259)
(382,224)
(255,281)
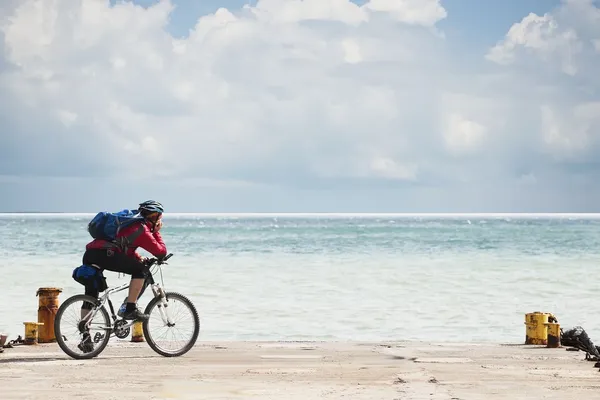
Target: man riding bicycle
(108,255)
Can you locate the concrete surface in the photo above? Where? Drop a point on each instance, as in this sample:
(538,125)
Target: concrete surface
(301,370)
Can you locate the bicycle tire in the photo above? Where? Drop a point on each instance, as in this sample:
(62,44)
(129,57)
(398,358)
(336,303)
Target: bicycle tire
(59,338)
(148,336)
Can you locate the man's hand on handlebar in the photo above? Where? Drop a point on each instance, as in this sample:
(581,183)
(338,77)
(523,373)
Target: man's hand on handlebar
(158,260)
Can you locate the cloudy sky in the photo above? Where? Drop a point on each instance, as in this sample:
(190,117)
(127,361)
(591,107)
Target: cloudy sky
(290,105)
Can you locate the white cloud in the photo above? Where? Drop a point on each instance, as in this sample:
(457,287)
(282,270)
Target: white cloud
(563,38)
(67,117)
(352,51)
(570,134)
(388,168)
(291,11)
(293,91)
(463,135)
(420,12)
(541,35)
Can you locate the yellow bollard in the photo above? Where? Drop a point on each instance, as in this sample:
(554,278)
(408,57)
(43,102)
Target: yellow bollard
(137,333)
(553,334)
(536,331)
(31,332)
(47,309)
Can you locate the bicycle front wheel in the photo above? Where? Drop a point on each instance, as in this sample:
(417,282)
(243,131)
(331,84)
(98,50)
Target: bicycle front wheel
(161,336)
(71,335)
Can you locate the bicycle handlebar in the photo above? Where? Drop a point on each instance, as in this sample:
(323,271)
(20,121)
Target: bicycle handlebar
(159,261)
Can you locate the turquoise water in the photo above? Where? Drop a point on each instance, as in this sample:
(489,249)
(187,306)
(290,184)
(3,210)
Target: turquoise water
(338,277)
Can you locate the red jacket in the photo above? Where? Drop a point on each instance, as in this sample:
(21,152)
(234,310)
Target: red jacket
(136,235)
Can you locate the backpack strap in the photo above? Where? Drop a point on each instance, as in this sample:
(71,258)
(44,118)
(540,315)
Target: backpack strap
(110,245)
(125,241)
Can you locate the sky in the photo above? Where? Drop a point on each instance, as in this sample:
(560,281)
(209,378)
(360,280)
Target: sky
(300,106)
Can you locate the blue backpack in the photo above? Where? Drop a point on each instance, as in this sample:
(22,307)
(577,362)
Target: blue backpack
(106,225)
(90,276)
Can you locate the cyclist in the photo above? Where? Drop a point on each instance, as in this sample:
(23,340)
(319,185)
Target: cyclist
(109,256)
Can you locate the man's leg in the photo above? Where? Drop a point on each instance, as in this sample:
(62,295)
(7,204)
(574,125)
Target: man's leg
(135,287)
(133,267)
(87,345)
(89,258)
(86,307)
(111,260)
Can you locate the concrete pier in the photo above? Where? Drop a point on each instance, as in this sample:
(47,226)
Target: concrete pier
(303,371)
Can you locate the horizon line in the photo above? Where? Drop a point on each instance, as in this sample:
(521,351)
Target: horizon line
(340,214)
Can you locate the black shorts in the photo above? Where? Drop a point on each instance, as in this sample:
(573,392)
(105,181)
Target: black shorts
(115,261)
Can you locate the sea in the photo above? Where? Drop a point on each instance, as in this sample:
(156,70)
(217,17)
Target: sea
(337,277)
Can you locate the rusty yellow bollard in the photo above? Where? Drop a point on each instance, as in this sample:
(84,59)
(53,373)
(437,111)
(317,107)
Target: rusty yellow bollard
(31,332)
(137,333)
(553,334)
(536,330)
(47,309)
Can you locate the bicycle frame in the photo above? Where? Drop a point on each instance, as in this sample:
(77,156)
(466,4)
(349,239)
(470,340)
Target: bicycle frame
(157,290)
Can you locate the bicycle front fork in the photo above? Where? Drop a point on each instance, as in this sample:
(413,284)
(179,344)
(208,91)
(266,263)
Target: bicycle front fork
(162,305)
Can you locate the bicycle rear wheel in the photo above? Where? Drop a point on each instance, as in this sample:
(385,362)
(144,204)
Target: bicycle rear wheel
(156,331)
(69,332)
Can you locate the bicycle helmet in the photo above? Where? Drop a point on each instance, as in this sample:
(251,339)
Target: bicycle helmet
(150,207)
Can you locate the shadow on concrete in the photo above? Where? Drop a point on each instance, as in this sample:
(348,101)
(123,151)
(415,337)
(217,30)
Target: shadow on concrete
(17,360)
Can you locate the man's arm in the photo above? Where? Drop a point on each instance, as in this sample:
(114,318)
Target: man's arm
(152,242)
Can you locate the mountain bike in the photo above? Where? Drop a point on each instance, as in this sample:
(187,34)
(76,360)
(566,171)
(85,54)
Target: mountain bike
(162,304)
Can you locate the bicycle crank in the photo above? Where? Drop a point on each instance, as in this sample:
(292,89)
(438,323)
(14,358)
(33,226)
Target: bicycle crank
(121,331)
